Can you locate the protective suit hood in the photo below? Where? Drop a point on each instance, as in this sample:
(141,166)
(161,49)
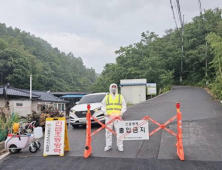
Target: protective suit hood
(110,87)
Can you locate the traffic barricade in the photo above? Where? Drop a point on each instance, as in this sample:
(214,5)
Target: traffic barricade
(178,135)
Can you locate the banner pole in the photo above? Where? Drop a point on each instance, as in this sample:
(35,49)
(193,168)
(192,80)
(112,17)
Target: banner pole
(179,144)
(88,147)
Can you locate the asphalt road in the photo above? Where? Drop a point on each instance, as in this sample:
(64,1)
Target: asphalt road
(98,163)
(202,127)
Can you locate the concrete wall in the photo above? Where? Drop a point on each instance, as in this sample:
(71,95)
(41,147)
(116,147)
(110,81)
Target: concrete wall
(134,94)
(2,102)
(35,106)
(24,109)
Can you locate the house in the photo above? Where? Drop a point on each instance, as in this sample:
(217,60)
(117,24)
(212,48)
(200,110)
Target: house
(18,100)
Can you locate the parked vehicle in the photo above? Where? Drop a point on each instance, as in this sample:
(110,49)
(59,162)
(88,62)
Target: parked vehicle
(19,140)
(77,114)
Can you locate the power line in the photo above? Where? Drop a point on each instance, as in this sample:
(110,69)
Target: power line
(175,18)
(173,14)
(179,12)
(176,11)
(200,8)
(182,31)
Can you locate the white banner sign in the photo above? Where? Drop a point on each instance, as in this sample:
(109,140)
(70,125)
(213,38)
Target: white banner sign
(54,137)
(151,88)
(133,130)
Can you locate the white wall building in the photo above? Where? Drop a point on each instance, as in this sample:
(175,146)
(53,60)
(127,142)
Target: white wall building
(19,100)
(133,90)
(2,101)
(22,107)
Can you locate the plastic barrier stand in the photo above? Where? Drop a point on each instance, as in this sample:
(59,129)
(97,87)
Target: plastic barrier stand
(56,139)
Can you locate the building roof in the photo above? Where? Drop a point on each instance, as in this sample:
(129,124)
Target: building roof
(73,96)
(67,93)
(133,84)
(47,97)
(39,95)
(10,91)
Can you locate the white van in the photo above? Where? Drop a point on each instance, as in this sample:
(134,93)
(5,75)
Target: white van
(77,114)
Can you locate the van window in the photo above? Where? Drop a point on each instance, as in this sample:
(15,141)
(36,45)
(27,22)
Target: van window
(92,99)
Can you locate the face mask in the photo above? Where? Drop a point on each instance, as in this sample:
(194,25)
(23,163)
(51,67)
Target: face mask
(113,90)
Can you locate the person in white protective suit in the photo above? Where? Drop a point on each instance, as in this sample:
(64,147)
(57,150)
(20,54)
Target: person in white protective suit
(113,105)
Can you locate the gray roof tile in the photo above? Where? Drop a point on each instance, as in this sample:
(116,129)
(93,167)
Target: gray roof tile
(19,92)
(44,96)
(40,95)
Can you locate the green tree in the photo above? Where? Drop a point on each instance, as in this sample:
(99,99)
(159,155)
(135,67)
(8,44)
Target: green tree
(22,54)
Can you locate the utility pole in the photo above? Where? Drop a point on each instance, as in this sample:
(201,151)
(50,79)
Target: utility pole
(181,70)
(206,64)
(31,87)
(200,8)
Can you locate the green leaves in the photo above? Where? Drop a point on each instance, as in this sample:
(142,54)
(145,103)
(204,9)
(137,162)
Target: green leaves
(3,44)
(22,54)
(158,59)
(216,45)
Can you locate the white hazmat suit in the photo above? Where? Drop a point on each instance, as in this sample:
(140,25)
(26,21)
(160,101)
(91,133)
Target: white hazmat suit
(108,133)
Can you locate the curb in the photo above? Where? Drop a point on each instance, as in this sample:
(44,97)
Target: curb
(4,154)
(159,95)
(2,145)
(151,98)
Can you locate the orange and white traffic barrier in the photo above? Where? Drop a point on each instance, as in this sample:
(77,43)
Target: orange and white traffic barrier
(88,146)
(178,135)
(179,144)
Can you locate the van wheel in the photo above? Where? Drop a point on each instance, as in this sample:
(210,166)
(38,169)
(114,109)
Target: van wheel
(75,126)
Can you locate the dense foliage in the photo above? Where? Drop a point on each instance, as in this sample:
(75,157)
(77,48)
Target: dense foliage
(158,59)
(22,54)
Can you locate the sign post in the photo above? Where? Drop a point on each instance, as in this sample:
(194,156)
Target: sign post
(56,139)
(151,89)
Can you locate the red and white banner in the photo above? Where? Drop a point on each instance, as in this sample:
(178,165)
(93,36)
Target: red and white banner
(54,137)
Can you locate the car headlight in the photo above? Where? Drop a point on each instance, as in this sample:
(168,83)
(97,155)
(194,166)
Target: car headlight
(97,109)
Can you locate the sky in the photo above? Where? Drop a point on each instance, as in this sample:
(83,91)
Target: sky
(95,29)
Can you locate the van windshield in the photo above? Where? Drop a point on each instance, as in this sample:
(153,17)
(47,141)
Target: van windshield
(92,99)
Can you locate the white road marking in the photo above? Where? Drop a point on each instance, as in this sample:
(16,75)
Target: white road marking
(4,155)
